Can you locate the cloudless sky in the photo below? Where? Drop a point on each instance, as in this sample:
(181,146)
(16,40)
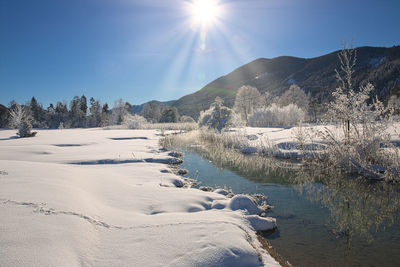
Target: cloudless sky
(150,49)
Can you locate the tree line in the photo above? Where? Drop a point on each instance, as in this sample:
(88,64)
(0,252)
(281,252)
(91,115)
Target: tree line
(81,113)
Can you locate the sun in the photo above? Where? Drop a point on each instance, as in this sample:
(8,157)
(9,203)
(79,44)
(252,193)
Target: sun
(204,12)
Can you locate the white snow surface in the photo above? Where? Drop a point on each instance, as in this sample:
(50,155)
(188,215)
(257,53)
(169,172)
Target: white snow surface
(102,198)
(284,141)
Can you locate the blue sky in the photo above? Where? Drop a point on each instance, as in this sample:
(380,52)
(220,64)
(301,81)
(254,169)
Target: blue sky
(145,50)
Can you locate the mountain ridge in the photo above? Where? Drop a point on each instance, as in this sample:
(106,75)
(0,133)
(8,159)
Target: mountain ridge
(379,65)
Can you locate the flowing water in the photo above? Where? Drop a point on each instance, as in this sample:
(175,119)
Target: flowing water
(329,222)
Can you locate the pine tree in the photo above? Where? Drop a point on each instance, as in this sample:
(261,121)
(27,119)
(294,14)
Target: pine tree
(62,115)
(105,116)
(77,115)
(170,114)
(95,113)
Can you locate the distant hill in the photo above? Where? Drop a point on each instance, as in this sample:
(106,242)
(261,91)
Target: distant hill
(378,65)
(138,108)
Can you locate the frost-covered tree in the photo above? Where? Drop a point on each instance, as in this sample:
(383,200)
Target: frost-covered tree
(275,115)
(295,95)
(364,126)
(77,113)
(354,141)
(218,116)
(186,119)
(21,119)
(118,112)
(151,111)
(266,100)
(62,115)
(134,121)
(394,104)
(247,99)
(17,115)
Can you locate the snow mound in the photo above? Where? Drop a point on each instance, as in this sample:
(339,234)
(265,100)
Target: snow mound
(243,202)
(221,191)
(175,154)
(261,223)
(238,202)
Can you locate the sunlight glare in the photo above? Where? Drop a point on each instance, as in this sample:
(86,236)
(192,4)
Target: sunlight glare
(204,12)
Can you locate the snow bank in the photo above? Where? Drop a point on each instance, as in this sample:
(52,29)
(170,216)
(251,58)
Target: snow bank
(116,205)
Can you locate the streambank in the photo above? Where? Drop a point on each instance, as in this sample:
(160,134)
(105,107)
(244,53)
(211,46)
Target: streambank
(95,197)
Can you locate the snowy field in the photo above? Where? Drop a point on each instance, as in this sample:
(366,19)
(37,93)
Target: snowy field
(283,141)
(105,198)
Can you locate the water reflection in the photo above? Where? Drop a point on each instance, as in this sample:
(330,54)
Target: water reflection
(258,169)
(357,207)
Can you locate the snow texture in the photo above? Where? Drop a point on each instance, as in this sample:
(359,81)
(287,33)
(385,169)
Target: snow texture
(125,211)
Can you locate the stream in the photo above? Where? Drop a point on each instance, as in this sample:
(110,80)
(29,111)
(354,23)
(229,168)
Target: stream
(333,221)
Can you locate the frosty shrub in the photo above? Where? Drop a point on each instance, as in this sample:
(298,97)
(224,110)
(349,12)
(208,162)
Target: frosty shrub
(25,129)
(218,117)
(172,126)
(394,104)
(134,121)
(360,130)
(277,116)
(20,119)
(357,135)
(185,118)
